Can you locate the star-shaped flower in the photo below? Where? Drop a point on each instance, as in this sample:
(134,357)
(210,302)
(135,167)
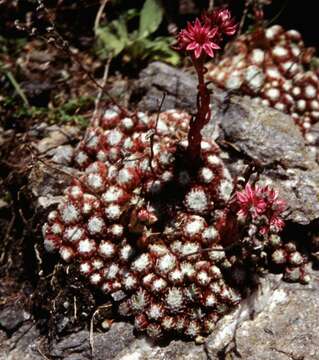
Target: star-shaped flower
(198,38)
(262,202)
(251,201)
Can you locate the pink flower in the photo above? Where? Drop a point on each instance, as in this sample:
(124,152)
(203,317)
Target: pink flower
(221,18)
(271,197)
(198,38)
(262,201)
(277,223)
(275,207)
(251,201)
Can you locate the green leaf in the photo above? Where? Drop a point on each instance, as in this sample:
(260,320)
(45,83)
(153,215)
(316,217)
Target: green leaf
(120,28)
(111,41)
(131,14)
(151,17)
(160,49)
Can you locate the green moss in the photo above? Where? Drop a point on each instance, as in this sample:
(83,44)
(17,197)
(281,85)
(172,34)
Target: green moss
(71,112)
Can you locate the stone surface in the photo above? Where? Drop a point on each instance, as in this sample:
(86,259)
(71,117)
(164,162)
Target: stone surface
(63,154)
(50,176)
(268,295)
(103,346)
(48,180)
(56,136)
(267,136)
(119,343)
(25,344)
(270,139)
(11,317)
(76,344)
(142,350)
(158,78)
(289,330)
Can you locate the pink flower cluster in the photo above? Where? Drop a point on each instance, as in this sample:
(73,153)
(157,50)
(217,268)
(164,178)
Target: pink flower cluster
(263,202)
(205,34)
(222,19)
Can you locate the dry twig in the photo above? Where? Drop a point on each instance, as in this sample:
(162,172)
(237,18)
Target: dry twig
(99,15)
(155,131)
(105,306)
(211,5)
(243,18)
(58,41)
(95,117)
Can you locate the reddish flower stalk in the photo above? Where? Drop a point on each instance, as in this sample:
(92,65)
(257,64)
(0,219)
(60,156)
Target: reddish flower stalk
(203,114)
(201,39)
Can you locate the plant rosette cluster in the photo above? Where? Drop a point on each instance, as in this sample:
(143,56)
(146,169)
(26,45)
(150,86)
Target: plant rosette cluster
(170,242)
(156,221)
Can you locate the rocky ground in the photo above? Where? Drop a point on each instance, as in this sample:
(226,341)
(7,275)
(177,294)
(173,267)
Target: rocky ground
(277,321)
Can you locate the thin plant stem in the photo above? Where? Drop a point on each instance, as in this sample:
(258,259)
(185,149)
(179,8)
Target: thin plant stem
(61,44)
(95,117)
(99,15)
(17,87)
(203,114)
(243,18)
(211,5)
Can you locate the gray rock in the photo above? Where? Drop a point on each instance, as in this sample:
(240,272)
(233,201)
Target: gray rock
(56,136)
(47,181)
(272,140)
(289,330)
(268,295)
(278,321)
(267,136)
(300,189)
(121,344)
(63,154)
(24,344)
(74,346)
(104,346)
(158,78)
(141,349)
(12,316)
(107,346)
(51,175)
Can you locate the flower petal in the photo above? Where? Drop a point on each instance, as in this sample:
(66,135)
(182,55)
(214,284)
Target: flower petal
(192,46)
(212,32)
(208,49)
(241,197)
(198,51)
